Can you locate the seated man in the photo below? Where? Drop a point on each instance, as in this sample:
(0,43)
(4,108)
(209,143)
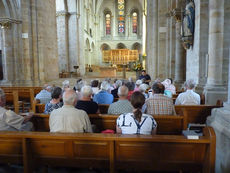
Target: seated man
(189,97)
(122,105)
(159,104)
(85,103)
(68,118)
(44,96)
(104,97)
(10,121)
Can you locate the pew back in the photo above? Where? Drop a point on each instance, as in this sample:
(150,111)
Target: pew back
(113,151)
(166,124)
(196,113)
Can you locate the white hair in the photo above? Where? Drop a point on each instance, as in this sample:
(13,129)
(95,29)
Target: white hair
(79,85)
(118,83)
(65,84)
(123,91)
(143,87)
(190,83)
(86,91)
(105,86)
(138,82)
(69,97)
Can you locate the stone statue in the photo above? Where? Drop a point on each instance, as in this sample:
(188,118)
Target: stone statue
(188,24)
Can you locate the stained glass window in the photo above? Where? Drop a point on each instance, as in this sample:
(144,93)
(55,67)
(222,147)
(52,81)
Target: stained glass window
(108,24)
(134,16)
(121,16)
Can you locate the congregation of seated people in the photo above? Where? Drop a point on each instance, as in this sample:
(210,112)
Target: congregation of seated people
(137,102)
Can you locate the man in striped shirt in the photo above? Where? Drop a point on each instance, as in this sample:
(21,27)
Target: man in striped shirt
(159,104)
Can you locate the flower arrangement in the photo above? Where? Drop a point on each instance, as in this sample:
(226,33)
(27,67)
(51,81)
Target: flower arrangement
(138,67)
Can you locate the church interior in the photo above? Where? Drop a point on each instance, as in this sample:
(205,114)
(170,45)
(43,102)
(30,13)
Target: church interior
(55,43)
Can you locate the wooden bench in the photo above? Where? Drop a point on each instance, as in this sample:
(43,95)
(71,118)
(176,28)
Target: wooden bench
(38,107)
(109,151)
(166,124)
(12,101)
(196,113)
(25,94)
(103,108)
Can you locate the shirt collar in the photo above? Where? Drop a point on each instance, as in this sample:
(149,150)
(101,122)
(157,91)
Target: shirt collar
(68,106)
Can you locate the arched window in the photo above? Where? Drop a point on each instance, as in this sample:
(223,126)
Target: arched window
(108,24)
(135,22)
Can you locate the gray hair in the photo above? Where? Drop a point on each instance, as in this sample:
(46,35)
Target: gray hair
(123,91)
(143,87)
(2,93)
(86,91)
(69,97)
(118,83)
(190,83)
(79,85)
(105,86)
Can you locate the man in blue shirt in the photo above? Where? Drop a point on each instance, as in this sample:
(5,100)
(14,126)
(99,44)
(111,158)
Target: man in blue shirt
(103,97)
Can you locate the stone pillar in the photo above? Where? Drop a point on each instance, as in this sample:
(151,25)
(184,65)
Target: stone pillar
(152,38)
(63,39)
(214,88)
(7,54)
(179,50)
(161,62)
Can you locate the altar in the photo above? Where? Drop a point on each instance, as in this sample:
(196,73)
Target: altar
(108,71)
(118,57)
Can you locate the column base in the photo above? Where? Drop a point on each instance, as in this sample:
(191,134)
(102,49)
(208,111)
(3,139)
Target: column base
(220,121)
(213,93)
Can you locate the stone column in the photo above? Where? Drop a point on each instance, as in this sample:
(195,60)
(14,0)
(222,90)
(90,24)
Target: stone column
(161,62)
(152,38)
(214,88)
(179,53)
(63,39)
(7,54)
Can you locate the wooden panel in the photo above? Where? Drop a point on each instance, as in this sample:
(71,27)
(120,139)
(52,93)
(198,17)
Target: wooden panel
(103,108)
(169,124)
(91,149)
(10,150)
(40,108)
(48,148)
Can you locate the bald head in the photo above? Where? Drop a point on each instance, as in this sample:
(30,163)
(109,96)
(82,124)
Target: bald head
(123,91)
(69,97)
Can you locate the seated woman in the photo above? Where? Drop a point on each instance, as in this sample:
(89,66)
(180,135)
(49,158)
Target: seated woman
(136,122)
(55,103)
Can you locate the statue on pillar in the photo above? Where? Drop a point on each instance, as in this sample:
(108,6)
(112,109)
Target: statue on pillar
(188,24)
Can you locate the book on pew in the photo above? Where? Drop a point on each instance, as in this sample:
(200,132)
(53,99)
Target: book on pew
(192,134)
(196,126)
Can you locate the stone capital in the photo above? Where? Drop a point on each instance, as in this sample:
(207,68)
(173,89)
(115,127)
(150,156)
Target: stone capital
(5,23)
(176,13)
(61,13)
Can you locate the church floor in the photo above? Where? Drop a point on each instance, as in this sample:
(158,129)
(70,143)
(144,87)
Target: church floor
(89,77)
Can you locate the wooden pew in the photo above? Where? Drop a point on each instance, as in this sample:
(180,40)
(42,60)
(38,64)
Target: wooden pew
(110,151)
(167,154)
(38,107)
(166,124)
(12,100)
(103,108)
(195,113)
(25,94)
